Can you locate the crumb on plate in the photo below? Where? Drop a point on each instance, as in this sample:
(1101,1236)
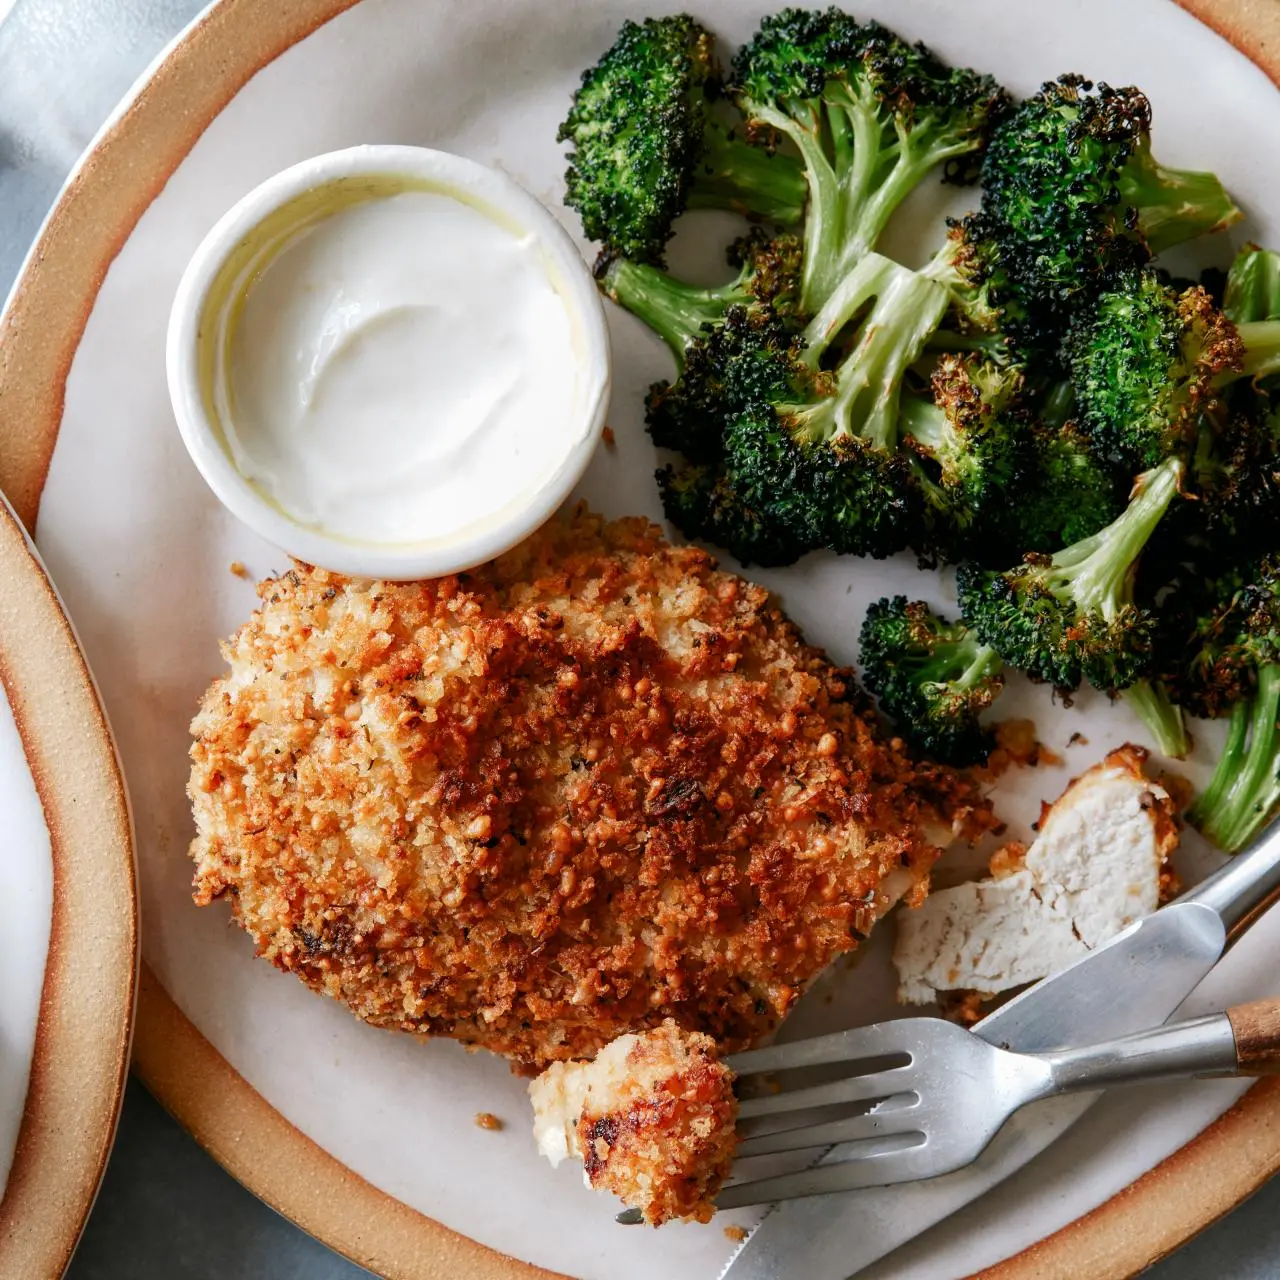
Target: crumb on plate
(487,1120)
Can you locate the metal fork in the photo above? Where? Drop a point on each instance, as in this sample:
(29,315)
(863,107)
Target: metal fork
(940,1093)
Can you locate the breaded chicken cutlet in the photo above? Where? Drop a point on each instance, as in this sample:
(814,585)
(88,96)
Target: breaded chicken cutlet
(589,786)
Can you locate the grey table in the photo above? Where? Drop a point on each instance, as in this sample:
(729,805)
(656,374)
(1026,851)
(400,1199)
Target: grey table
(166,1210)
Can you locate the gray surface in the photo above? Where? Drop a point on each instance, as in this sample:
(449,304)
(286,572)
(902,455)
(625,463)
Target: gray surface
(166,1210)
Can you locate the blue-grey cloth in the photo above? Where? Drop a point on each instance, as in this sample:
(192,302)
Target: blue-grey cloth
(166,1210)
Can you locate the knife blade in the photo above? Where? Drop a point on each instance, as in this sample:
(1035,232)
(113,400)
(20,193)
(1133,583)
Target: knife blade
(1137,979)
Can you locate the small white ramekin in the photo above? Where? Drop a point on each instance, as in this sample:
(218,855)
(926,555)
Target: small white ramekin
(203,437)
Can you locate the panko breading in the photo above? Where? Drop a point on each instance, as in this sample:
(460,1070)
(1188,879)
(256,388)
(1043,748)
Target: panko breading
(592,785)
(651,1117)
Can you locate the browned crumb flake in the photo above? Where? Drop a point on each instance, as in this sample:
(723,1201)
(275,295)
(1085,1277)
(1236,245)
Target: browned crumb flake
(238,569)
(1016,744)
(606,434)
(588,786)
(735,1234)
(487,1120)
(965,1008)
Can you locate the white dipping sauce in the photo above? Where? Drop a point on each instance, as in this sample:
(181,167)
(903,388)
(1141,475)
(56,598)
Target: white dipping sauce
(401,369)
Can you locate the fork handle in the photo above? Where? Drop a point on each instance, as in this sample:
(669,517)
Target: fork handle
(1244,1041)
(1256,1028)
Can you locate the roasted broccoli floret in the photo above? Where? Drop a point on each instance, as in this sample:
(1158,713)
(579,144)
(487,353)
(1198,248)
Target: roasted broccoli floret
(871,116)
(1071,616)
(969,442)
(1233,669)
(647,143)
(1065,493)
(680,313)
(989,314)
(1148,363)
(1070,177)
(703,503)
(814,451)
(932,677)
(1235,472)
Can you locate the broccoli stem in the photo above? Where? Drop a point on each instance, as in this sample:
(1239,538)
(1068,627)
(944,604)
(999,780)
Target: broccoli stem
(961,665)
(1097,571)
(735,174)
(1245,788)
(1059,404)
(1162,719)
(1174,205)
(675,311)
(854,191)
(923,421)
(1261,340)
(1208,804)
(820,224)
(867,216)
(906,310)
(1253,286)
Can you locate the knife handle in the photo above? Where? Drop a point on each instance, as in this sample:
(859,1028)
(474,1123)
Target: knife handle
(1256,1028)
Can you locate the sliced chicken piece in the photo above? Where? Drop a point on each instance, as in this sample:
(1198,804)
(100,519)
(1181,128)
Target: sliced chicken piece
(1098,864)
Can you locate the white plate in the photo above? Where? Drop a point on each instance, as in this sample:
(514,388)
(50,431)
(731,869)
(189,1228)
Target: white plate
(142,552)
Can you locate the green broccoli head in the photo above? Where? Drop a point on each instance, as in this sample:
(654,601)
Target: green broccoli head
(1070,175)
(933,679)
(726,366)
(1224,629)
(1065,493)
(983,314)
(706,506)
(1146,363)
(1071,617)
(1235,473)
(871,116)
(969,444)
(647,144)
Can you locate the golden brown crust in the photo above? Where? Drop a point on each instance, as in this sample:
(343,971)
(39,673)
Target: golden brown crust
(588,786)
(663,1138)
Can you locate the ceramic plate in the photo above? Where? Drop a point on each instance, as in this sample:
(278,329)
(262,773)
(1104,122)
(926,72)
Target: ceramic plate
(365,1138)
(68,924)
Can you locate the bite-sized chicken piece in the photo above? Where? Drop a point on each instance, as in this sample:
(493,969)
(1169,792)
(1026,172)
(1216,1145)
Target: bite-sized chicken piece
(651,1117)
(592,785)
(1098,863)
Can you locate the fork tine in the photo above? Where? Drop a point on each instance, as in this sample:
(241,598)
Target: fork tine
(872,1127)
(880,1170)
(880,1040)
(880,1084)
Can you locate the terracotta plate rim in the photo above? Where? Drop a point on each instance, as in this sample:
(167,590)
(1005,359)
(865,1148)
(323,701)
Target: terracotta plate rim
(81,1058)
(123,171)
